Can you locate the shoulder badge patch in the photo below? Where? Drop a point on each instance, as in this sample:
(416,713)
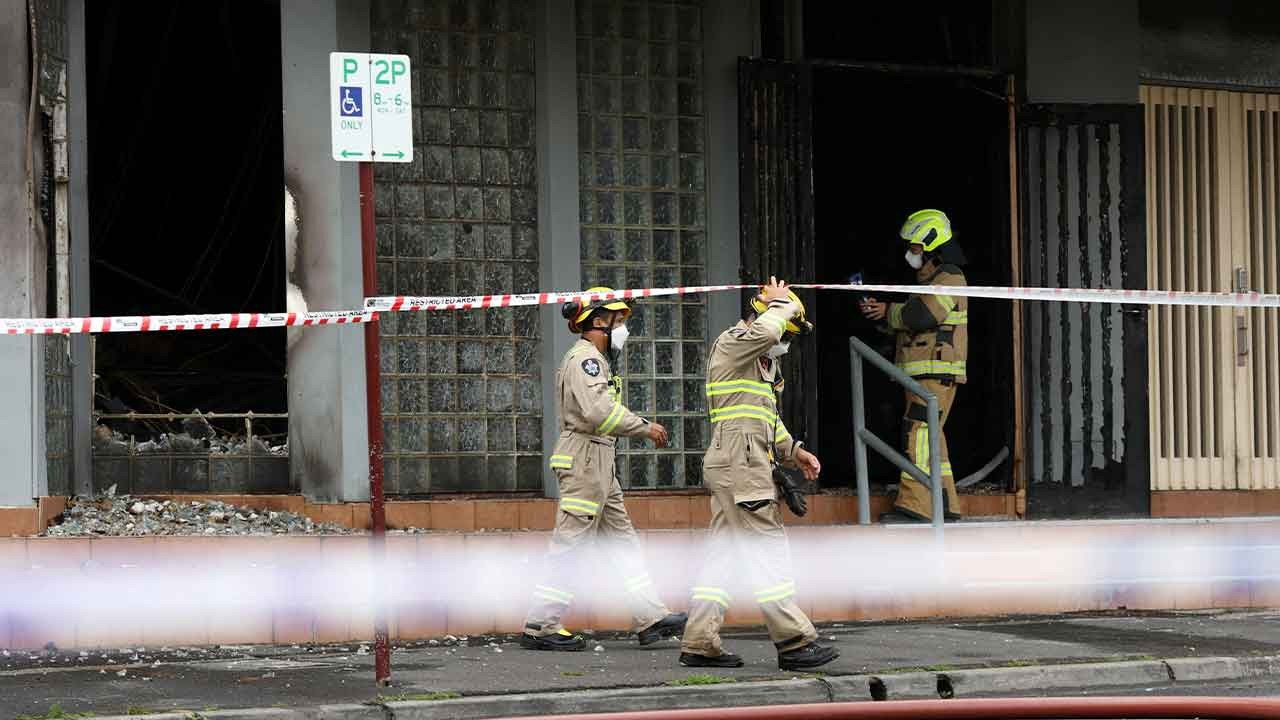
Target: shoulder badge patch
(591,366)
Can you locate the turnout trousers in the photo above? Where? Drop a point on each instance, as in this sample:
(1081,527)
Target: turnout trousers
(591,512)
(752,545)
(913,497)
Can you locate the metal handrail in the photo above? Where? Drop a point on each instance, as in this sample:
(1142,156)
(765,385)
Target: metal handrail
(862,437)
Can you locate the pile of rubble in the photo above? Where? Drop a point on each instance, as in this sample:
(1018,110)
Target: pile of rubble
(127,516)
(198,437)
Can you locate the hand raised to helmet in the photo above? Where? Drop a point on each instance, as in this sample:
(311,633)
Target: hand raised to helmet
(775,290)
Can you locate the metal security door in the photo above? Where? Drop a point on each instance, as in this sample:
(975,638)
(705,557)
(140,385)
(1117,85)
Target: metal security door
(1213,193)
(1086,364)
(775,163)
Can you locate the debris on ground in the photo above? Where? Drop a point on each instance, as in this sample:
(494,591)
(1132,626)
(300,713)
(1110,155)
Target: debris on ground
(197,438)
(123,515)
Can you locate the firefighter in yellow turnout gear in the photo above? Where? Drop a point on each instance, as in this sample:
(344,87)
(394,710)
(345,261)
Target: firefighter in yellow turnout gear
(932,345)
(747,539)
(592,416)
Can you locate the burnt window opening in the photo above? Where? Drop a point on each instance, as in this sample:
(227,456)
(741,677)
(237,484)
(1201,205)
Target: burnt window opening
(185,124)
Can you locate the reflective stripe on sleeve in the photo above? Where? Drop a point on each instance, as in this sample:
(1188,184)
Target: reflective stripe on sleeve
(612,421)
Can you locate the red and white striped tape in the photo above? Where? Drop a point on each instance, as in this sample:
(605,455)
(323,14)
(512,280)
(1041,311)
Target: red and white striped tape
(1108,296)
(401,303)
(156,323)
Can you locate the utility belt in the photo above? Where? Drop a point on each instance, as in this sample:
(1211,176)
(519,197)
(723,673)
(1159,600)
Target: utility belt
(606,440)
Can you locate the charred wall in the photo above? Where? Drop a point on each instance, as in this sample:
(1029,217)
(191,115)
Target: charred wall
(1234,43)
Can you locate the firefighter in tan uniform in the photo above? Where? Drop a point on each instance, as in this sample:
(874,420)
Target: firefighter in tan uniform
(747,539)
(592,416)
(932,344)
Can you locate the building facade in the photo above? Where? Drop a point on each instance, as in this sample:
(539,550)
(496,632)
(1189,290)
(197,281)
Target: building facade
(564,144)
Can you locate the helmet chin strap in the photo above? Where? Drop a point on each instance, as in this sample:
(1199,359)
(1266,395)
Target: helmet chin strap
(610,353)
(608,348)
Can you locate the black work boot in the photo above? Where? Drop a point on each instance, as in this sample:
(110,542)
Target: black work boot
(806,658)
(563,641)
(723,660)
(668,626)
(898,517)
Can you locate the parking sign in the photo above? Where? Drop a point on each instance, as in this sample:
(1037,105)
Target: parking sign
(371,107)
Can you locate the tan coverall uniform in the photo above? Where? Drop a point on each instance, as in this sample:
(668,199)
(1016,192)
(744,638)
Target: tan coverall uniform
(592,416)
(933,341)
(737,468)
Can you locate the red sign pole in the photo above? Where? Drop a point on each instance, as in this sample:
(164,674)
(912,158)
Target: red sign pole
(373,399)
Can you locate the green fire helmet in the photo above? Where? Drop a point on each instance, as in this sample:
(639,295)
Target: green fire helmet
(928,228)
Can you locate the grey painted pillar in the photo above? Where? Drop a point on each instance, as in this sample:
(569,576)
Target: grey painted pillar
(78,165)
(731,32)
(1059,72)
(328,434)
(559,259)
(21,270)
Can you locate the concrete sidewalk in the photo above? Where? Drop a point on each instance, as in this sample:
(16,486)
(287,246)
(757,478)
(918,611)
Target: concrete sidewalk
(491,677)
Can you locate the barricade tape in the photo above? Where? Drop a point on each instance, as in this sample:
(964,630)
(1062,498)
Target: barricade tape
(157,323)
(403,303)
(1108,296)
(375,305)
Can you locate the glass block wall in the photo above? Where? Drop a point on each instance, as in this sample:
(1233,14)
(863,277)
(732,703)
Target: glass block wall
(461,391)
(641,139)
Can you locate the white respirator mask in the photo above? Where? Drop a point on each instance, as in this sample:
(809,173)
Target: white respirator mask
(618,337)
(916,261)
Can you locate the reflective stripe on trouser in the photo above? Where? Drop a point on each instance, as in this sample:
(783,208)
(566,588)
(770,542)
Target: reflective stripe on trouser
(751,546)
(609,528)
(914,497)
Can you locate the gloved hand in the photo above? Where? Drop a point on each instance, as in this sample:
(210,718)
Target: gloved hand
(791,493)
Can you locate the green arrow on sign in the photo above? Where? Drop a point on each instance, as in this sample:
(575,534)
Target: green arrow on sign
(394,154)
(348,153)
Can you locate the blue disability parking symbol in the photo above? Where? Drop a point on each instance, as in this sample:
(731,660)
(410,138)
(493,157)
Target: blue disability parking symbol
(350,103)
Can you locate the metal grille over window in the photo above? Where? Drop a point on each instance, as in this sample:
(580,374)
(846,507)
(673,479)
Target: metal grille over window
(641,138)
(57,412)
(52,28)
(461,394)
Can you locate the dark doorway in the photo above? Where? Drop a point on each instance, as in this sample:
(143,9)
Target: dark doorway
(186,184)
(887,144)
